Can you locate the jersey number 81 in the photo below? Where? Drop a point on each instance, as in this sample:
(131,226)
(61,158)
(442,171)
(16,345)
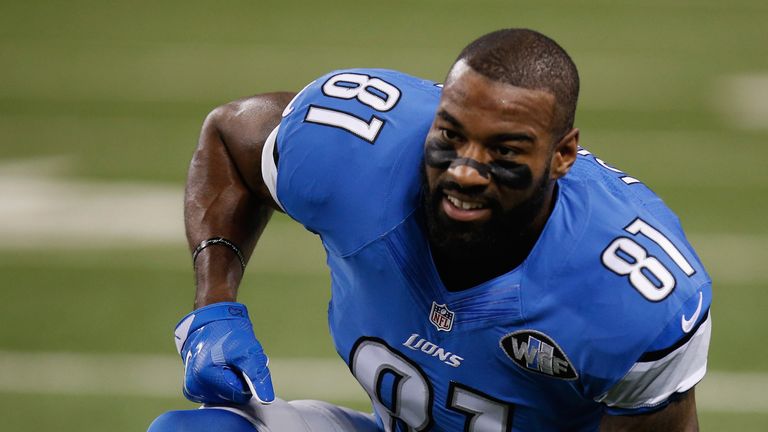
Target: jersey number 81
(372,92)
(626,257)
(403,396)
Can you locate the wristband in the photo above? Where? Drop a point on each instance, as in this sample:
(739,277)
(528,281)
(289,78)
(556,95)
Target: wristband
(218,241)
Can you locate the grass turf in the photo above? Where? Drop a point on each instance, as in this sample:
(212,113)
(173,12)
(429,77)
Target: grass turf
(121,89)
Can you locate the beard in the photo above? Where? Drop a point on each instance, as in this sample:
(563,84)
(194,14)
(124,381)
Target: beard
(504,233)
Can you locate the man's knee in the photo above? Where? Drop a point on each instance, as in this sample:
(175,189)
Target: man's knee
(336,417)
(201,420)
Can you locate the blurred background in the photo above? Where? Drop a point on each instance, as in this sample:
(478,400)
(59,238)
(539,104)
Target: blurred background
(101,104)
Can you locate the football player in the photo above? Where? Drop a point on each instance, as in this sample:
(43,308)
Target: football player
(488,273)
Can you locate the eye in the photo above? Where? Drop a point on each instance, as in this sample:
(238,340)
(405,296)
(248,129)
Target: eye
(449,135)
(505,151)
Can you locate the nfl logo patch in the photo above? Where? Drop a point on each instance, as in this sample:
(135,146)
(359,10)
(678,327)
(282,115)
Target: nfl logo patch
(441,317)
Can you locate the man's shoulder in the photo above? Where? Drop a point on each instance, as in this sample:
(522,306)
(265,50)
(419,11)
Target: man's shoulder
(387,83)
(620,234)
(602,205)
(613,251)
(350,147)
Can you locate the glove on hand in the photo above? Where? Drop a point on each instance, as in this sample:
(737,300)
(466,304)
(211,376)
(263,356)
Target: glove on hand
(223,361)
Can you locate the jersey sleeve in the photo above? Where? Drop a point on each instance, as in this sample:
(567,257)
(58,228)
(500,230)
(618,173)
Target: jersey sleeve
(674,363)
(648,293)
(349,150)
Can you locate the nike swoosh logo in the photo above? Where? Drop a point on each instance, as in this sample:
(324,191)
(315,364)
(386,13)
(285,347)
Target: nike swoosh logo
(186,365)
(687,324)
(182,331)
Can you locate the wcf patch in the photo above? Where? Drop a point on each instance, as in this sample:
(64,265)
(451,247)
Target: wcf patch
(536,352)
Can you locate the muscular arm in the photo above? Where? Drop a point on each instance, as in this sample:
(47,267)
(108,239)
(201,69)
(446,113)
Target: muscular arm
(678,416)
(225,194)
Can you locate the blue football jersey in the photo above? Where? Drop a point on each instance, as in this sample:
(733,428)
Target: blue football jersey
(608,314)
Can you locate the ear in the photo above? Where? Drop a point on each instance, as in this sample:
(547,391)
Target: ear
(564,154)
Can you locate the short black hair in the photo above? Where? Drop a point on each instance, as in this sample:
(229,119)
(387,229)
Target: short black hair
(528,59)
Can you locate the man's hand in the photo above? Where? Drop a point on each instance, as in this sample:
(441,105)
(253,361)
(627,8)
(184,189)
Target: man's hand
(223,361)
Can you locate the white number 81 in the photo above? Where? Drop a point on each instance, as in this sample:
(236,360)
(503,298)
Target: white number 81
(640,266)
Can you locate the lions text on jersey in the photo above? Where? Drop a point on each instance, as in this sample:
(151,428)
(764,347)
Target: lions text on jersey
(609,312)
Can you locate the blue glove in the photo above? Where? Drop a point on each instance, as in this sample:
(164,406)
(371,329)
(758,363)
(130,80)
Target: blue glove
(223,361)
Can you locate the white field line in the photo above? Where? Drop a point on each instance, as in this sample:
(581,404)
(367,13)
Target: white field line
(65,374)
(732,258)
(40,211)
(43,211)
(743,100)
(159,376)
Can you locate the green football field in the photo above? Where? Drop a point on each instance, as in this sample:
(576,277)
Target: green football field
(101,104)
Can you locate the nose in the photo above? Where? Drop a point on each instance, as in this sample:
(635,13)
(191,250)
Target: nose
(466,174)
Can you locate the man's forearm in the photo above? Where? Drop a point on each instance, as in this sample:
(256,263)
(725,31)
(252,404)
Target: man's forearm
(219,204)
(678,416)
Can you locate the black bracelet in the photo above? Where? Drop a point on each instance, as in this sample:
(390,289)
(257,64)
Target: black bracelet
(218,241)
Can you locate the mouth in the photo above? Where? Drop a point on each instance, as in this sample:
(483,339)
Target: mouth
(465,210)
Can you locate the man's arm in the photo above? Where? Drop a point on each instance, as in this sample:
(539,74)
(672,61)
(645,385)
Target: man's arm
(225,194)
(678,416)
(226,199)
